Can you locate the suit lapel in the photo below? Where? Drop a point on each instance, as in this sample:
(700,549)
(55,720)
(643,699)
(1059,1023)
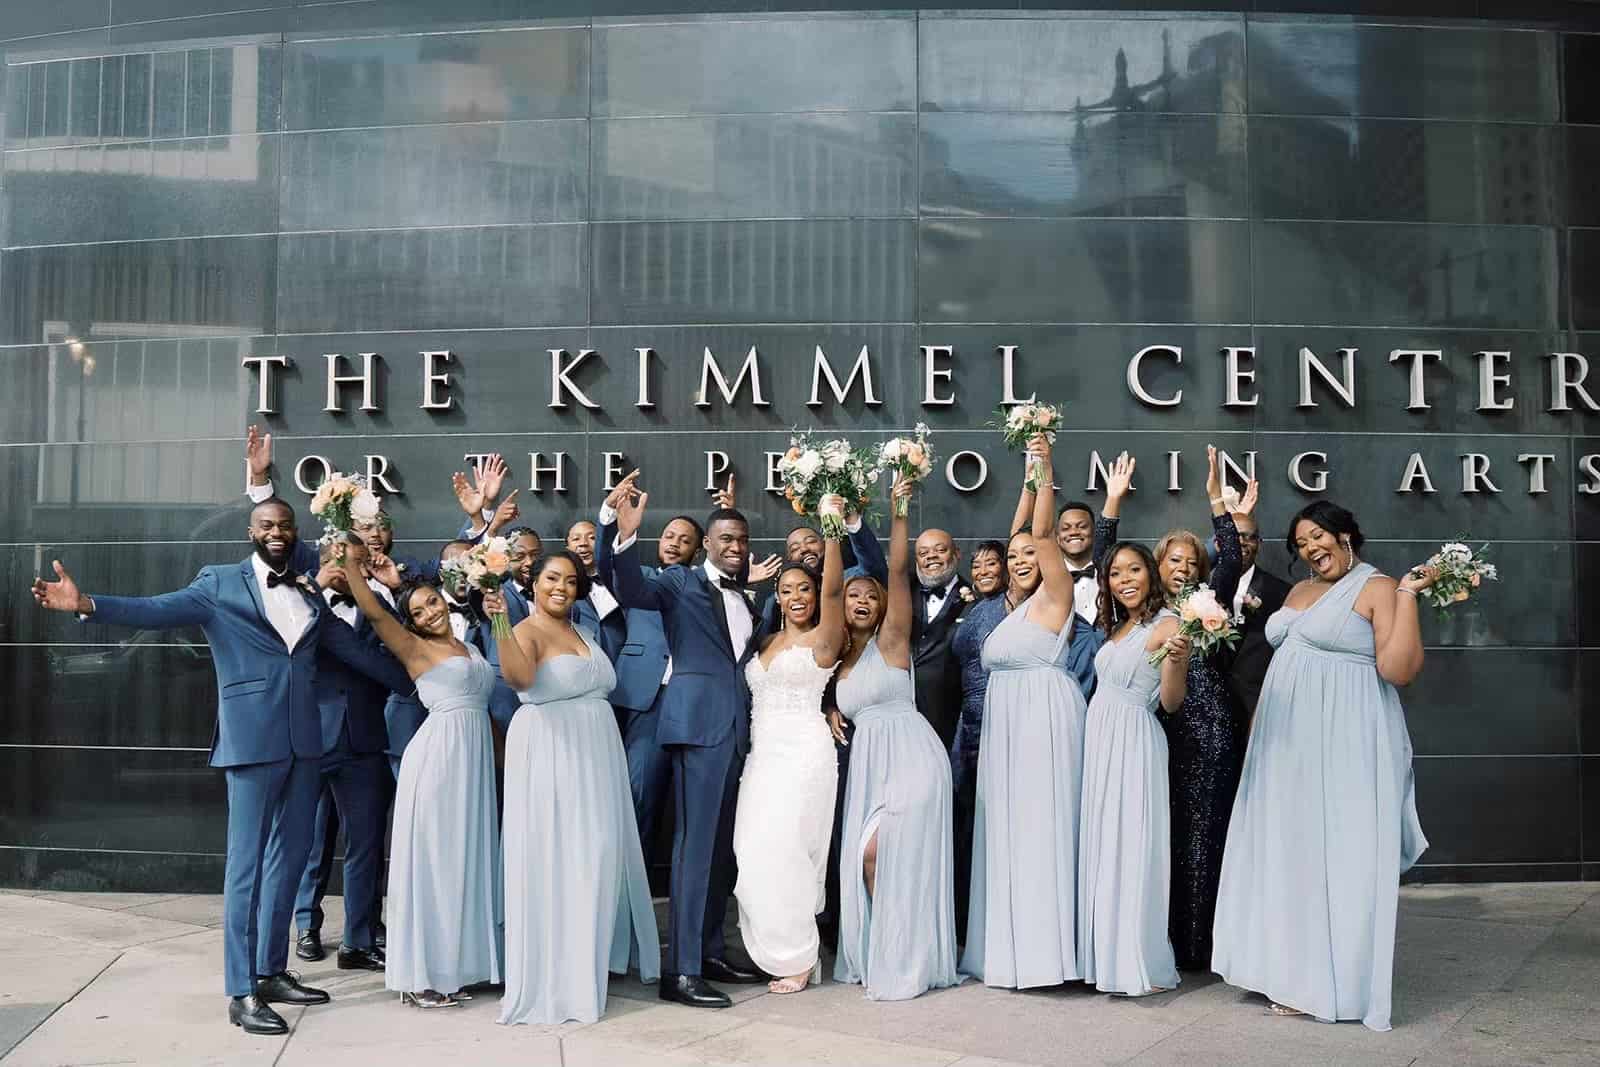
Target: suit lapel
(247,574)
(952,603)
(719,609)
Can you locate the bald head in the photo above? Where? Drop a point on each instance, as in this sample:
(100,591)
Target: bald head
(937,558)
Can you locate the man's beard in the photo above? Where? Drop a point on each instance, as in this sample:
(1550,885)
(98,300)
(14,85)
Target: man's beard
(266,554)
(931,581)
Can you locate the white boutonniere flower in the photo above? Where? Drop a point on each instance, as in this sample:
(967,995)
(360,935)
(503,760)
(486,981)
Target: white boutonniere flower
(1252,602)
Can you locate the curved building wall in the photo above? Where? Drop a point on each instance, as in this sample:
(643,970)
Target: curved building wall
(955,193)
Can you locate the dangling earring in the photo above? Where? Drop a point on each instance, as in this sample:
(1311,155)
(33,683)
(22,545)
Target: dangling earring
(1349,557)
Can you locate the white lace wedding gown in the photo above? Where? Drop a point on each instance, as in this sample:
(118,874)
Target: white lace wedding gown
(784,817)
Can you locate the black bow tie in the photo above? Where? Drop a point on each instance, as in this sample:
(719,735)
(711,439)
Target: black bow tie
(275,579)
(730,583)
(930,592)
(458,609)
(342,600)
(1087,572)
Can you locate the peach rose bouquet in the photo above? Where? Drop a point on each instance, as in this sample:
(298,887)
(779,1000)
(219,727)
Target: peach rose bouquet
(342,501)
(486,567)
(1022,423)
(909,459)
(813,469)
(1462,570)
(1205,621)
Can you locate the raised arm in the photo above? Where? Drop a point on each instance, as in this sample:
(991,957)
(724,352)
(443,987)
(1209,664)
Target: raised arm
(1053,574)
(894,636)
(830,623)
(1224,578)
(191,606)
(1396,627)
(1022,518)
(518,650)
(1118,485)
(869,553)
(406,646)
(618,563)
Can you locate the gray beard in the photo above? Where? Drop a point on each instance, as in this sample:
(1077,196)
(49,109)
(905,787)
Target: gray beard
(928,581)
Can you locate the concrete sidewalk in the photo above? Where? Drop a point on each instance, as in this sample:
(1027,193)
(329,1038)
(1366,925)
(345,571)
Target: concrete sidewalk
(1485,974)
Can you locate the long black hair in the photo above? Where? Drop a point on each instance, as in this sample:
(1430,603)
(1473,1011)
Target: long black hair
(1341,522)
(585,583)
(816,583)
(1112,613)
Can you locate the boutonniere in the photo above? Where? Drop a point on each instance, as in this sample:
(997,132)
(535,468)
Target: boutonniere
(750,595)
(967,595)
(307,586)
(1252,602)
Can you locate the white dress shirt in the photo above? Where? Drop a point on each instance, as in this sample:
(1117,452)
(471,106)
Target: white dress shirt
(740,624)
(1243,591)
(607,516)
(936,597)
(458,621)
(1086,597)
(285,605)
(347,612)
(601,599)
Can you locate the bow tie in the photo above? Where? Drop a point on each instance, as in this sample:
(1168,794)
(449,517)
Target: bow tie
(1087,572)
(286,578)
(932,592)
(458,609)
(730,583)
(342,600)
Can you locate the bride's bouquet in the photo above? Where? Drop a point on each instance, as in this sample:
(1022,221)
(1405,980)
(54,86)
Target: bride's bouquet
(811,470)
(1022,423)
(1461,570)
(486,566)
(909,458)
(342,501)
(1206,622)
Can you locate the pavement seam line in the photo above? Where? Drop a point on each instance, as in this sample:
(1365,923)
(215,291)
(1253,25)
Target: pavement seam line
(92,980)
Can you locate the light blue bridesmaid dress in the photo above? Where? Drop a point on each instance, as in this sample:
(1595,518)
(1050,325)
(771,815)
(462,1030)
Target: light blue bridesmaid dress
(1022,920)
(900,941)
(1324,824)
(577,899)
(444,856)
(1125,860)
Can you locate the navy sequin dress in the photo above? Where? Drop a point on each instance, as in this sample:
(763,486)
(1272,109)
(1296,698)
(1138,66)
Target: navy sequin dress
(1205,746)
(977,623)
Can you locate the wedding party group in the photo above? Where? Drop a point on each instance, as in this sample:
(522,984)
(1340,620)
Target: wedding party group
(1084,760)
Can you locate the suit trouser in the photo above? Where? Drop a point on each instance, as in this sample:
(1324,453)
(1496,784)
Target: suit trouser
(965,809)
(270,810)
(649,766)
(705,783)
(356,793)
(829,919)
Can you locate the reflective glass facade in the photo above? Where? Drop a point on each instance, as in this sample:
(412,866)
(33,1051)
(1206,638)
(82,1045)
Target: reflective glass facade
(187,183)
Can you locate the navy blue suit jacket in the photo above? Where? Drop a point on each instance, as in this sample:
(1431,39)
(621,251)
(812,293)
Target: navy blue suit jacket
(641,658)
(707,701)
(350,700)
(266,696)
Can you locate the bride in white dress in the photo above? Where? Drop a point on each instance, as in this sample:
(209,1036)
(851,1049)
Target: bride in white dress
(784,817)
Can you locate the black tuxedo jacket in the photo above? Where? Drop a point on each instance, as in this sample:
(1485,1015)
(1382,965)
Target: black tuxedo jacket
(937,673)
(1247,665)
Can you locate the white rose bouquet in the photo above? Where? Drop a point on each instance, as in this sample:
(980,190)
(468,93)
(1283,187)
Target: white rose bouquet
(486,566)
(909,458)
(1025,421)
(811,470)
(342,501)
(1461,569)
(1205,622)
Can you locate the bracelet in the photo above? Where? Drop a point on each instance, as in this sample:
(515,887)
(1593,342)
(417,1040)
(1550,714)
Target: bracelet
(1403,589)
(1216,500)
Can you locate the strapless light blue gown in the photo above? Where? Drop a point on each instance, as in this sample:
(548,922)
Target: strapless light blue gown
(444,858)
(1022,922)
(1125,858)
(900,941)
(1324,824)
(577,899)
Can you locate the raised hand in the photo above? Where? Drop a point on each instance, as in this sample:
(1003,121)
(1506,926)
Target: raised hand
(1416,580)
(725,497)
(900,494)
(504,515)
(1120,481)
(1247,502)
(61,594)
(258,455)
(831,504)
(469,496)
(490,474)
(1213,475)
(624,490)
(760,572)
(630,509)
(1177,647)
(385,570)
(494,603)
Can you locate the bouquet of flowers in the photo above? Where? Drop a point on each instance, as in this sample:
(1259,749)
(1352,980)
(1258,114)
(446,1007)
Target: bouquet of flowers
(1461,570)
(486,566)
(811,470)
(341,501)
(1023,422)
(1205,622)
(910,458)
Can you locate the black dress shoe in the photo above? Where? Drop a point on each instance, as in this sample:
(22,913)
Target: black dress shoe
(285,988)
(360,959)
(252,1015)
(691,990)
(381,938)
(309,947)
(717,969)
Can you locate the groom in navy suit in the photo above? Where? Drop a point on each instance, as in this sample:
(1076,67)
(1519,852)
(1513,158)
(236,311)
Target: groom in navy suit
(265,624)
(703,722)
